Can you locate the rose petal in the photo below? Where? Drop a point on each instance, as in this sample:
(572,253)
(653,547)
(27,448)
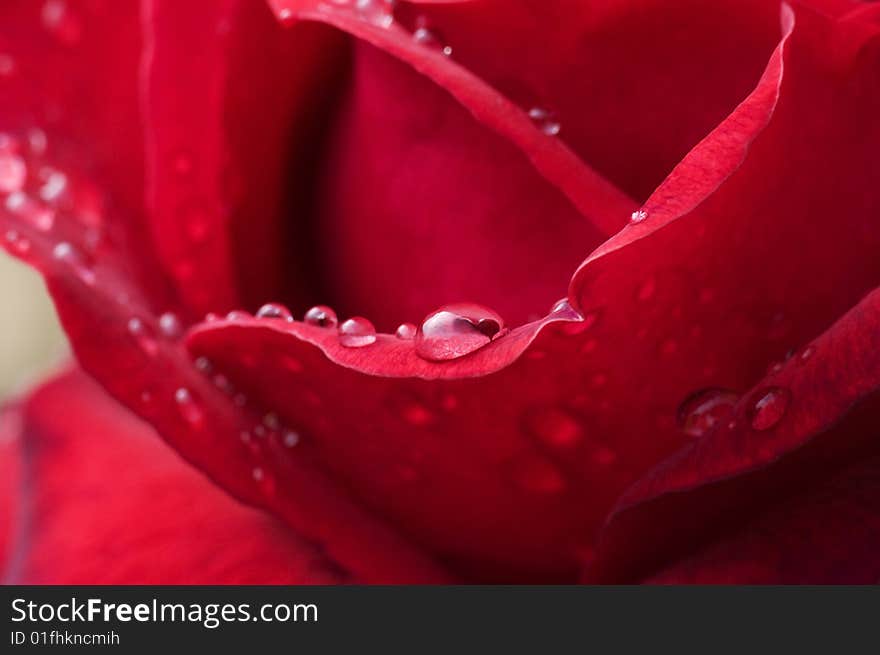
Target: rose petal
(600,201)
(797,424)
(621,76)
(126,341)
(830,534)
(157,522)
(10,483)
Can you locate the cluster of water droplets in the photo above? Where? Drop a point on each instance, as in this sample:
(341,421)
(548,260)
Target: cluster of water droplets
(36,193)
(450,332)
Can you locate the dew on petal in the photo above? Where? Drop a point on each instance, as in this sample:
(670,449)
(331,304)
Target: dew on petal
(189,409)
(406,331)
(13,172)
(60,21)
(378,12)
(237,315)
(7,65)
(170,326)
(457,330)
(203,364)
(54,187)
(143,335)
(769,408)
(321,316)
(357,332)
(638,216)
(545,120)
(65,252)
(423,35)
(290,438)
(702,411)
(272,421)
(276,311)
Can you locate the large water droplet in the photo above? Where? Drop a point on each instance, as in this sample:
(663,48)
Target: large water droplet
(702,411)
(276,311)
(770,407)
(545,120)
(321,316)
(456,330)
(555,427)
(13,172)
(357,332)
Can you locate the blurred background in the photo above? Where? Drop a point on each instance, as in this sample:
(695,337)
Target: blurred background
(32,343)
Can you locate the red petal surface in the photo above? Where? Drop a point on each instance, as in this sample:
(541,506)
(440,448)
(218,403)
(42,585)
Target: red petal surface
(829,535)
(10,482)
(104,501)
(789,432)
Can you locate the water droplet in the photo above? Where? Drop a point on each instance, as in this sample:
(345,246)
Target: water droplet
(425,36)
(245,436)
(286,15)
(258,474)
(378,12)
(545,120)
(276,311)
(38,142)
(142,335)
(203,364)
(290,438)
(770,407)
(13,172)
(18,243)
(702,411)
(537,475)
(638,216)
(456,330)
(222,382)
(357,332)
(60,21)
(169,325)
(272,421)
(322,316)
(188,407)
(808,352)
(237,315)
(65,252)
(54,187)
(406,331)
(555,427)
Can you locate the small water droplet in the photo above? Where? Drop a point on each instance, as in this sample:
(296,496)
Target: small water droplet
(54,187)
(38,142)
(19,244)
(272,421)
(638,216)
(203,364)
(770,407)
(378,12)
(276,311)
(457,330)
(258,474)
(357,332)
(13,172)
(67,253)
(545,121)
(423,35)
(286,15)
(555,427)
(188,407)
(138,329)
(321,316)
(702,411)
(290,438)
(245,436)
(406,331)
(169,325)
(808,352)
(222,382)
(237,315)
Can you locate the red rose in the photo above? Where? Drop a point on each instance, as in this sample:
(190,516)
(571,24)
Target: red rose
(701,407)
